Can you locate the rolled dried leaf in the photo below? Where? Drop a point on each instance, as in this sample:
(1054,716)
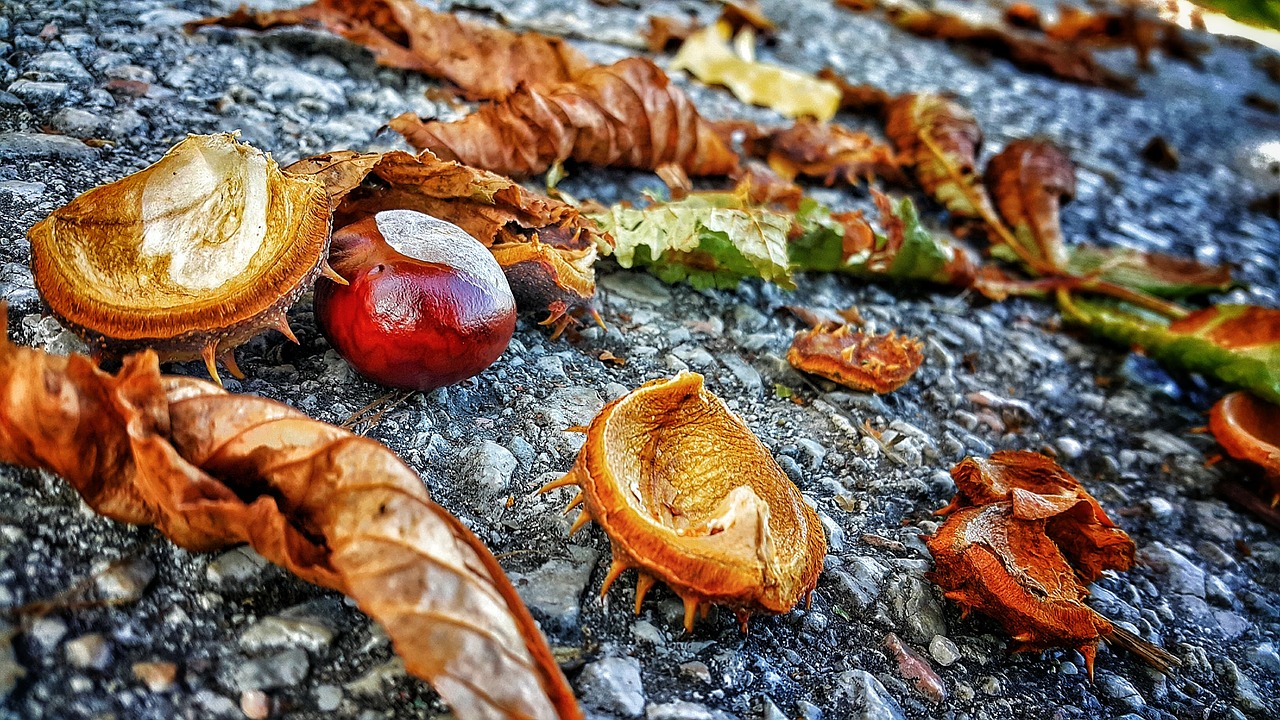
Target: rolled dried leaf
(210,469)
(1151,272)
(689,496)
(861,99)
(940,138)
(628,114)
(829,152)
(189,257)
(857,360)
(484,62)
(1029,180)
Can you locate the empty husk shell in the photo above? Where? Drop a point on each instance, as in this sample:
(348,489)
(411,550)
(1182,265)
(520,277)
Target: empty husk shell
(689,496)
(190,256)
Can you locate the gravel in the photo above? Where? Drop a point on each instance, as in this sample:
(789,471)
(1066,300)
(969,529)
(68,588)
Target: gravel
(224,634)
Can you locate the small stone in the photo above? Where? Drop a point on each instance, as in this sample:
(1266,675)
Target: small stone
(613,685)
(647,632)
(915,607)
(682,710)
(1120,690)
(235,567)
(697,670)
(1158,508)
(943,650)
(747,375)
(61,65)
(868,698)
(1070,448)
(22,190)
(275,633)
(487,467)
(167,18)
(76,123)
(279,81)
(126,581)
(10,671)
(38,94)
(769,710)
(375,681)
(328,698)
(216,705)
(157,676)
(554,590)
(1181,574)
(88,651)
(282,670)
(22,147)
(255,704)
(808,711)
(48,631)
(862,577)
(637,287)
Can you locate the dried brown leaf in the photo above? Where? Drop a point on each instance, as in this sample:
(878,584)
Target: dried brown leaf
(484,62)
(628,114)
(665,32)
(829,152)
(211,469)
(940,138)
(1029,180)
(862,99)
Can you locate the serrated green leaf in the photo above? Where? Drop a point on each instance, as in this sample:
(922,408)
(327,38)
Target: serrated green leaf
(707,239)
(1238,344)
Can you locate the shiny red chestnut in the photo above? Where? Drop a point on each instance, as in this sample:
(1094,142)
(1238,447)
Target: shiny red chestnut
(427,305)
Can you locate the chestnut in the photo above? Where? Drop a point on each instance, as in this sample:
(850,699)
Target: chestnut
(426,305)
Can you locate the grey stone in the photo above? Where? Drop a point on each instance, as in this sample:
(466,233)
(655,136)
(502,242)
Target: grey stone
(637,287)
(943,650)
(769,710)
(861,697)
(683,710)
(915,607)
(613,685)
(22,191)
(76,123)
(1244,688)
(281,670)
(216,705)
(37,93)
(88,651)
(23,147)
(276,632)
(167,18)
(10,671)
(47,632)
(862,577)
(1181,575)
(61,65)
(1120,690)
(487,467)
(1266,657)
(374,682)
(328,698)
(554,590)
(126,581)
(235,567)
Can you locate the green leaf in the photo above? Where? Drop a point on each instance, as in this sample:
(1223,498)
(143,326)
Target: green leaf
(1238,344)
(1154,273)
(706,239)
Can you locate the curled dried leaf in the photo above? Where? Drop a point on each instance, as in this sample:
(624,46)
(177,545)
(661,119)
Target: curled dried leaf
(210,469)
(1029,179)
(628,114)
(708,56)
(484,62)
(828,152)
(665,32)
(940,138)
(1039,488)
(191,256)
(560,280)
(689,496)
(1249,429)
(991,560)
(864,362)
(1151,272)
(862,99)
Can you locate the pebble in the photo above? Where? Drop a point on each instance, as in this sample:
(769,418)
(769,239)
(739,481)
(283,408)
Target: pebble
(915,607)
(255,705)
(1181,575)
(88,651)
(487,467)
(126,581)
(638,287)
(22,191)
(943,650)
(24,147)
(868,698)
(276,632)
(554,590)
(697,670)
(683,710)
(375,681)
(61,65)
(747,375)
(282,670)
(10,671)
(235,567)
(216,705)
(158,676)
(613,685)
(76,123)
(1120,690)
(47,632)
(328,698)
(862,577)
(37,93)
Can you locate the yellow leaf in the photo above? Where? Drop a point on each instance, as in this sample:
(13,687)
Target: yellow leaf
(708,56)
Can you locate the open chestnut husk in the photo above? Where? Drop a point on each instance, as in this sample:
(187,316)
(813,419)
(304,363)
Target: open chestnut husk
(190,257)
(426,305)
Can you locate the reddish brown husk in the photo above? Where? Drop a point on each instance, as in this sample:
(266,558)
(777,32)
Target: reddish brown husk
(628,114)
(1029,181)
(1249,429)
(496,211)
(689,496)
(484,62)
(868,363)
(209,470)
(1021,541)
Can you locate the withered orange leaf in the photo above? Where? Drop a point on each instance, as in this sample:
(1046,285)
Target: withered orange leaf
(1126,27)
(484,62)
(990,560)
(940,138)
(1029,180)
(209,469)
(1039,488)
(864,362)
(1026,51)
(665,32)
(628,114)
(828,152)
(545,247)
(689,496)
(1249,429)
